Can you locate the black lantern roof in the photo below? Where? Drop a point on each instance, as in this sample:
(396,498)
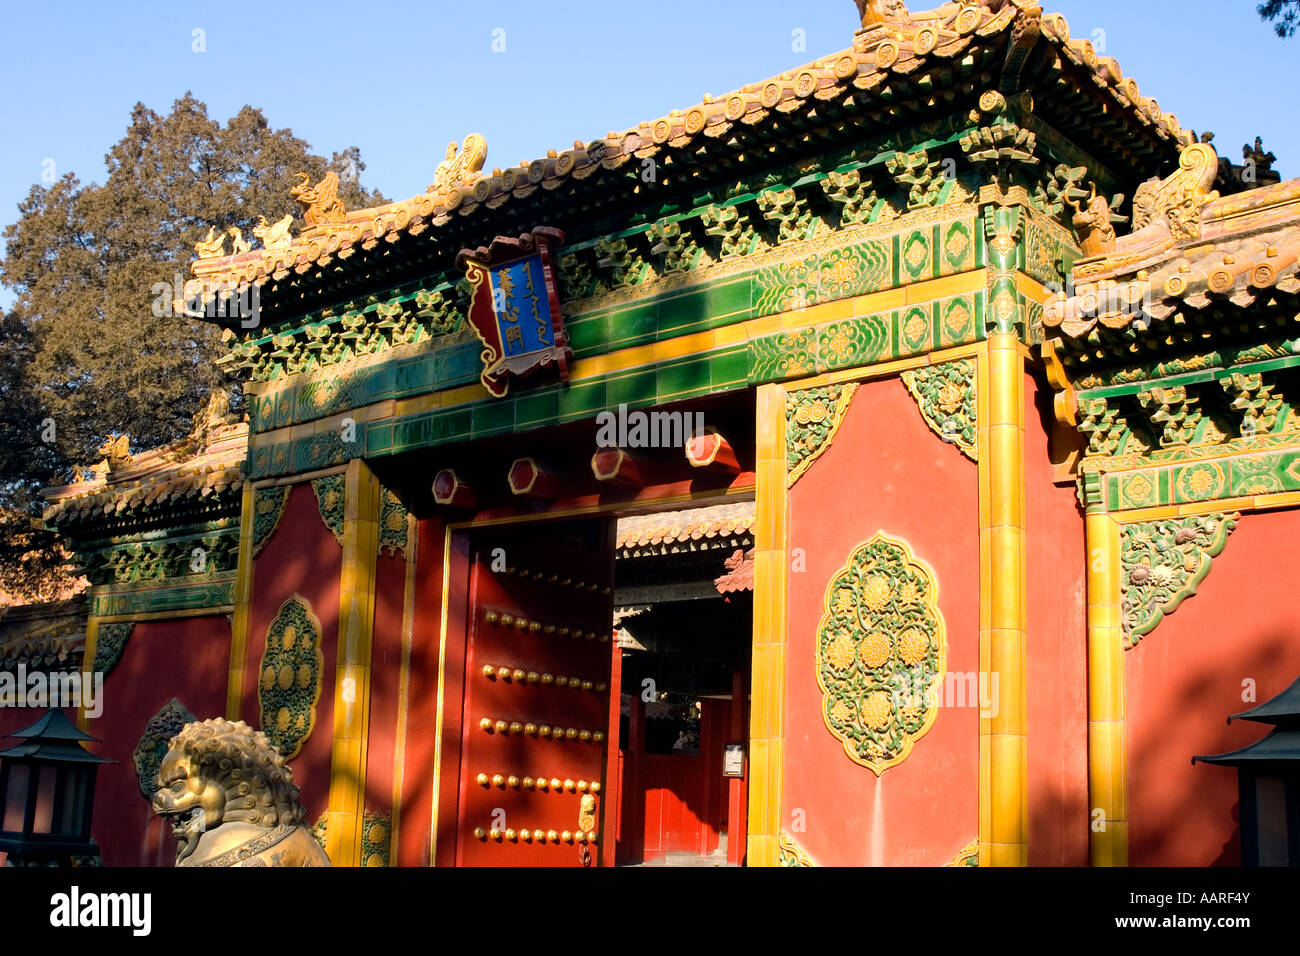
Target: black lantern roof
(1282,711)
(55,739)
(1283,743)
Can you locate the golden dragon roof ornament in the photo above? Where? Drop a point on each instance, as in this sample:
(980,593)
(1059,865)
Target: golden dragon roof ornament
(878,12)
(322,200)
(461,167)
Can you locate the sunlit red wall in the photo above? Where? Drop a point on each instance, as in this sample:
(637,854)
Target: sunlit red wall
(303,557)
(1183,680)
(1056,670)
(187,659)
(886,471)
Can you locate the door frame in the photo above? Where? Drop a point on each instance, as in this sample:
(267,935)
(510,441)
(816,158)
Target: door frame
(454,635)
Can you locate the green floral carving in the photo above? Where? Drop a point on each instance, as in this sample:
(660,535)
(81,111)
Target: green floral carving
(969,855)
(151,749)
(290,676)
(128,559)
(881,653)
(792,854)
(853,193)
(376,837)
(789,212)
(946,395)
(392,524)
(327,339)
(1163,563)
(110,644)
(330,498)
(268,509)
(812,416)
(919,176)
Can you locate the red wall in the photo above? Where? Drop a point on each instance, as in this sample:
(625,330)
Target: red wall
(187,659)
(1183,680)
(1057,665)
(886,471)
(385,680)
(302,557)
(415,823)
(675,802)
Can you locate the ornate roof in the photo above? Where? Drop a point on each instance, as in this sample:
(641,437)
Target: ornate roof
(46,636)
(740,573)
(670,532)
(900,70)
(180,477)
(1196,260)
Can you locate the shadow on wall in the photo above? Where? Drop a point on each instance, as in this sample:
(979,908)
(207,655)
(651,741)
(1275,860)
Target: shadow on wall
(1183,814)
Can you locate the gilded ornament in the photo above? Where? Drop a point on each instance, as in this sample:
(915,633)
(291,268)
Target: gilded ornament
(813,416)
(153,744)
(1164,562)
(211,247)
(323,206)
(460,166)
(291,669)
(231,800)
(110,644)
(945,394)
(1176,202)
(392,524)
(275,237)
(376,837)
(268,509)
(881,701)
(874,649)
(330,496)
(791,853)
(1095,224)
(969,855)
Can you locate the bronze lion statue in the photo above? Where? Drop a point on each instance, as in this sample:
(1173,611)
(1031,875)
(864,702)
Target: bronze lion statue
(231,800)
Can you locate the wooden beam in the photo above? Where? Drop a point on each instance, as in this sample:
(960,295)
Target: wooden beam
(528,478)
(713,452)
(614,466)
(450,489)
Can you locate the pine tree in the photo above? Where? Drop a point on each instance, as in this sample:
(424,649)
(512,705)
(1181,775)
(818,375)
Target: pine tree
(83,349)
(1283,14)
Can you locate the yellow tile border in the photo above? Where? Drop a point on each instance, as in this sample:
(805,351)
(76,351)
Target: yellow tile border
(674,348)
(239,623)
(921,293)
(347,787)
(768,667)
(297,478)
(889,369)
(442,692)
(1272,501)
(819,314)
(1003,791)
(404,682)
(183,614)
(91,647)
(1107,772)
(1032,289)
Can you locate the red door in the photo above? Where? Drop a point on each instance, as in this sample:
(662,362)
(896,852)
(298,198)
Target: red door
(534,749)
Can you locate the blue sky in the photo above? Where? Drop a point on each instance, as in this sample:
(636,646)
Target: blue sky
(402,79)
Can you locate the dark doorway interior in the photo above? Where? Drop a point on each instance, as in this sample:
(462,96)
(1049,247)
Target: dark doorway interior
(683,617)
